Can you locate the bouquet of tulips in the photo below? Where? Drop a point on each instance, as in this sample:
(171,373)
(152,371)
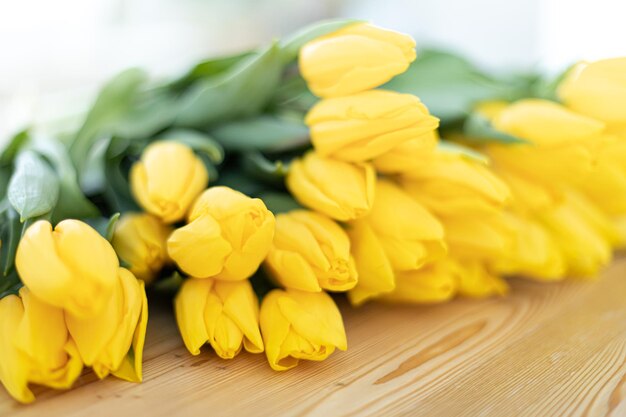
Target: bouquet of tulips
(336,160)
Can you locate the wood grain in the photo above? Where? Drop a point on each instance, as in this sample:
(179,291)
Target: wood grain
(546,350)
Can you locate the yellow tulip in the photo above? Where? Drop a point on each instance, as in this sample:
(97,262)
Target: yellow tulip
(340,190)
(366,125)
(71,267)
(310,253)
(300,325)
(431,284)
(355,58)
(373,266)
(475,279)
(409,234)
(112,341)
(222,313)
(546,123)
(598,90)
(35,346)
(467,198)
(167,179)
(534,253)
(227,236)
(140,242)
(583,234)
(407,155)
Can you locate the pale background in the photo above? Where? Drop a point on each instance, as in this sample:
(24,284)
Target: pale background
(54,54)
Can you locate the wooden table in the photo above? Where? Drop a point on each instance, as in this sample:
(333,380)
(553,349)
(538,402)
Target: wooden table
(546,350)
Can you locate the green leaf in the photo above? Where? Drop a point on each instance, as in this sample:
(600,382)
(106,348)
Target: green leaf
(257,166)
(264,133)
(34,188)
(292,44)
(455,148)
(209,68)
(448,84)
(153,112)
(72,203)
(478,129)
(11,233)
(110,229)
(279,202)
(103,225)
(169,284)
(198,141)
(13,146)
(243,90)
(113,104)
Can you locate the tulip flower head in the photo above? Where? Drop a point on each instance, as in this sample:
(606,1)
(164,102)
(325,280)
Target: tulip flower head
(112,341)
(311,252)
(35,346)
(140,241)
(340,190)
(363,126)
(71,266)
(227,236)
(353,59)
(222,313)
(167,179)
(300,325)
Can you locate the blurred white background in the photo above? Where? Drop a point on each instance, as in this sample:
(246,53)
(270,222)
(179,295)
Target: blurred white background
(54,54)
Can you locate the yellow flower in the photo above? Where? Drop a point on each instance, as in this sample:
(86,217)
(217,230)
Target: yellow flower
(355,58)
(582,233)
(112,341)
(467,197)
(431,284)
(167,179)
(407,155)
(409,234)
(534,253)
(300,325)
(310,253)
(71,267)
(373,266)
(227,236)
(34,346)
(340,190)
(222,313)
(546,123)
(366,125)
(140,241)
(476,279)
(597,89)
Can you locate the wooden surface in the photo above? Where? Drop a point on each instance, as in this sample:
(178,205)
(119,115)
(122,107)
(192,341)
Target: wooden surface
(546,350)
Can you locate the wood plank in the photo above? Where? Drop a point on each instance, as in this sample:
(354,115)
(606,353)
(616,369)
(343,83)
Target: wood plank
(547,349)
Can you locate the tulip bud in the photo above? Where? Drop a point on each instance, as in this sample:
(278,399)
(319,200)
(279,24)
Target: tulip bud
(583,238)
(366,125)
(34,346)
(431,284)
(374,269)
(410,236)
(140,242)
(340,190)
(112,341)
(227,236)
(167,179)
(222,313)
(310,252)
(598,90)
(300,325)
(468,198)
(407,155)
(534,254)
(546,123)
(355,58)
(71,267)
(476,279)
